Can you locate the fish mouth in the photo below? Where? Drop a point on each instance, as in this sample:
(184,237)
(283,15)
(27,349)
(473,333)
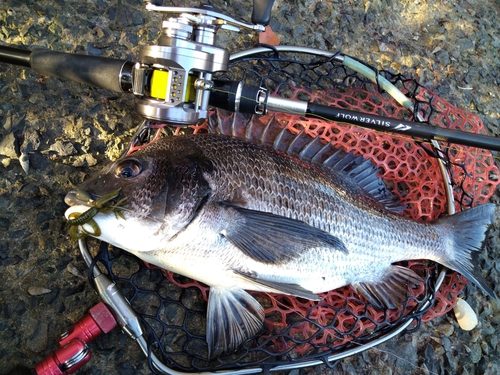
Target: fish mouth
(71,200)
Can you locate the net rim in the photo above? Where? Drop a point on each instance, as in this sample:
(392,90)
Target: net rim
(327,359)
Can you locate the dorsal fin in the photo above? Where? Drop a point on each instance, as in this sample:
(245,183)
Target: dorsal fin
(268,131)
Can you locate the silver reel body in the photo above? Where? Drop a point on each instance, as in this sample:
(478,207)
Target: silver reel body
(172,79)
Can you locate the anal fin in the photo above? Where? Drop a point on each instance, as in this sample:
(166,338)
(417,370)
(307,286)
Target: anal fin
(391,290)
(233,316)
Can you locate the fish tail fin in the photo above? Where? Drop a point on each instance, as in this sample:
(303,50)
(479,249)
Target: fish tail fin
(233,316)
(469,230)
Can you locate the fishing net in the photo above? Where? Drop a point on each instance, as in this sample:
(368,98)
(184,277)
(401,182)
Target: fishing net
(298,331)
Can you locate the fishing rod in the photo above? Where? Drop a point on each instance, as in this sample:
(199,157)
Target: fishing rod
(173,79)
(237,96)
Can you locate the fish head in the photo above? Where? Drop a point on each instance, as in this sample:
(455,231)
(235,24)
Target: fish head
(139,201)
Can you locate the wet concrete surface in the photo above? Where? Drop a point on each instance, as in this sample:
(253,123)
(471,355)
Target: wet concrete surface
(69,130)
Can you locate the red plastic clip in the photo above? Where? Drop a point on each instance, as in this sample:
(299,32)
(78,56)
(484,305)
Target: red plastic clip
(99,320)
(74,352)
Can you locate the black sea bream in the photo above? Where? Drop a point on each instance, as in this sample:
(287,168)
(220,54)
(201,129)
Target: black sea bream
(238,216)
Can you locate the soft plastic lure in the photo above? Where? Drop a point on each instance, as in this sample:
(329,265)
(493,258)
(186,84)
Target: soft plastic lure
(103,204)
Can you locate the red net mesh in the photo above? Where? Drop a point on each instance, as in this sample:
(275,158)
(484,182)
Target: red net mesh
(418,182)
(297,328)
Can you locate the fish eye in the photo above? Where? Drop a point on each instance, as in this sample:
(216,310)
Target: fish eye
(128,168)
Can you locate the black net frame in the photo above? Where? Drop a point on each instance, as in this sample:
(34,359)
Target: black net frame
(172,308)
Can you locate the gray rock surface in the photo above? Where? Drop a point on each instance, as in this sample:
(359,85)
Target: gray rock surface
(70,130)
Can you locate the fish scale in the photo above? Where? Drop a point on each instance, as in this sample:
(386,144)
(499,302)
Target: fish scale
(239,215)
(264,184)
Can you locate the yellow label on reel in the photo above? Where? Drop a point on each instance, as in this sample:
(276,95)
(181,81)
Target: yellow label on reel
(167,87)
(159,83)
(190,93)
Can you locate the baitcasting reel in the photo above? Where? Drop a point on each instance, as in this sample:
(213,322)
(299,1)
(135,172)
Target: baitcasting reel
(172,79)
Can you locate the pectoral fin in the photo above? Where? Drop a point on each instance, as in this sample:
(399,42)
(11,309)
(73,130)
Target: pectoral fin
(233,316)
(391,290)
(270,238)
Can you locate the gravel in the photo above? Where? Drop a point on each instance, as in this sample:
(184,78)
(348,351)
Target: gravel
(69,130)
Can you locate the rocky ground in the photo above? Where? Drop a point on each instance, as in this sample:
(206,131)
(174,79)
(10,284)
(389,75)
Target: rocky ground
(69,130)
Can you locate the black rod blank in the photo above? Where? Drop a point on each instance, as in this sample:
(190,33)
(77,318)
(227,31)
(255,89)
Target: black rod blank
(414,129)
(16,56)
(226,94)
